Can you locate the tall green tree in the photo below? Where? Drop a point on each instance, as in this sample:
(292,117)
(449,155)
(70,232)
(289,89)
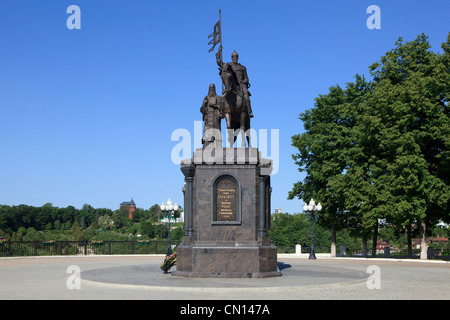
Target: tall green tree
(379,150)
(411,102)
(325,150)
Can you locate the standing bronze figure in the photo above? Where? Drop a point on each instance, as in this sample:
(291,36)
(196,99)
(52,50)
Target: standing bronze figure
(212,110)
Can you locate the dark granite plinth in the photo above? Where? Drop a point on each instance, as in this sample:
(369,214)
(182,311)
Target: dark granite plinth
(227,262)
(227,218)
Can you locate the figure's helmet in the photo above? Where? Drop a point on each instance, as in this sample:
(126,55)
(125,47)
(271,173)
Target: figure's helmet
(234,54)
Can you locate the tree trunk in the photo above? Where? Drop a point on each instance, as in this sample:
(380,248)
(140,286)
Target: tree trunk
(333,240)
(423,239)
(374,241)
(364,241)
(408,233)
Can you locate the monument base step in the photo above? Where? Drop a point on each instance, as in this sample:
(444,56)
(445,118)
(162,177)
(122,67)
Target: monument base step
(227,262)
(227,274)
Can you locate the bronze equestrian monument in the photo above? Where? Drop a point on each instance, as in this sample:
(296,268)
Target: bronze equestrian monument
(227,190)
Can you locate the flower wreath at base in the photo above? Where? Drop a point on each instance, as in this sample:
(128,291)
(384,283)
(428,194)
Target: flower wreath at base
(169,262)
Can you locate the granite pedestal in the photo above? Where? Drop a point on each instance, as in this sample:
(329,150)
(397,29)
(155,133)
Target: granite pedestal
(227,216)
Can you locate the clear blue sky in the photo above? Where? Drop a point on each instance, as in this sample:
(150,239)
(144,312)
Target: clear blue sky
(86,116)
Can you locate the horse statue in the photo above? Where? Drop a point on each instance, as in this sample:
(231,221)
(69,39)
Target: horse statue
(236,116)
(235,99)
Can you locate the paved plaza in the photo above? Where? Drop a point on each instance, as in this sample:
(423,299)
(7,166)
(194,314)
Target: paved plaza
(139,277)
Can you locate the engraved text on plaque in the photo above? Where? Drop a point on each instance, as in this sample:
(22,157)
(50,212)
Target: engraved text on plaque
(226,200)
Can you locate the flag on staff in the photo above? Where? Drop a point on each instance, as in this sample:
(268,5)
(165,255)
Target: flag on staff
(216,36)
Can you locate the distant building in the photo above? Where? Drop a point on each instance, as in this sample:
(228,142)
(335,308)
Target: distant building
(440,239)
(416,242)
(381,244)
(174,220)
(131,207)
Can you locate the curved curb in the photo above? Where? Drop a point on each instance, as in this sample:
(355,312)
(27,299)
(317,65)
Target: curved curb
(223,290)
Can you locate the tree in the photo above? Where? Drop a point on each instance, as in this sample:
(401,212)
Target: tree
(31,234)
(380,150)
(147,229)
(16,236)
(161,231)
(45,216)
(411,102)
(68,215)
(77,234)
(288,230)
(155,213)
(86,216)
(326,149)
(139,215)
(105,222)
(57,225)
(177,234)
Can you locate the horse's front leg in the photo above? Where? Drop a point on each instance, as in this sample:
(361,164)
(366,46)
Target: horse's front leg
(243,134)
(245,130)
(229,129)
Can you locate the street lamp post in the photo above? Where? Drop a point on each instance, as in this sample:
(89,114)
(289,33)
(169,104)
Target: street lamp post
(313,210)
(170,209)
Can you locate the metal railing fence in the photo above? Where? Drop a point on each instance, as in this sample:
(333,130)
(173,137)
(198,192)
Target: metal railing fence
(48,248)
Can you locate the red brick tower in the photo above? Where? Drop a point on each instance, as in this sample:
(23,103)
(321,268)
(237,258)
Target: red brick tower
(131,206)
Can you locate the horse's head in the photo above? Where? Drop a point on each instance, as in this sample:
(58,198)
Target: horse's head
(228,79)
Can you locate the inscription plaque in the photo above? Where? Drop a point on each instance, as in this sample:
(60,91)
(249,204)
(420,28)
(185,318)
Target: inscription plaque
(226,200)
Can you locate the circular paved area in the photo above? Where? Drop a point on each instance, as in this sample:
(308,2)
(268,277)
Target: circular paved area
(139,277)
(296,275)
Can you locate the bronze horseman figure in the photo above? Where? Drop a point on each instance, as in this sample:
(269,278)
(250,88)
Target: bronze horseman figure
(236,107)
(235,78)
(236,98)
